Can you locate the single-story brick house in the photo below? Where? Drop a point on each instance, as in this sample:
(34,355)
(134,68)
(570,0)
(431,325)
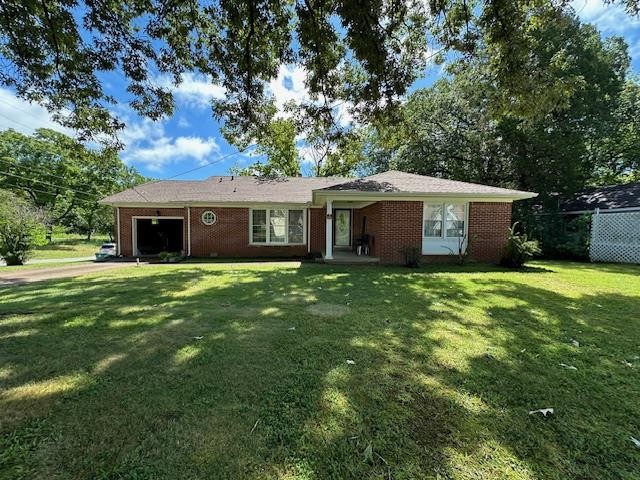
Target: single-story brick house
(229,216)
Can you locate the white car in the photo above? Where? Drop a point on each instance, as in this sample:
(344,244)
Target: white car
(106,251)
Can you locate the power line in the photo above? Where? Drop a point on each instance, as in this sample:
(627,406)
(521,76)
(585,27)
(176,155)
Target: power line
(34,169)
(9,104)
(50,184)
(140,194)
(16,122)
(218,160)
(213,162)
(31,189)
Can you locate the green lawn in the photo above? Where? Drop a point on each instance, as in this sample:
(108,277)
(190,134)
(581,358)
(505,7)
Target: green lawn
(241,372)
(68,246)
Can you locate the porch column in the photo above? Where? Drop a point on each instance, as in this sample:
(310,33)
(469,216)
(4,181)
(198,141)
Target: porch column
(188,231)
(329,231)
(118,244)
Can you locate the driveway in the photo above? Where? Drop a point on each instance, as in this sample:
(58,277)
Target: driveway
(38,261)
(39,274)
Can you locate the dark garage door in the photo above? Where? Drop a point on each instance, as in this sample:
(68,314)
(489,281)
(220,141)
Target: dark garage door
(159,235)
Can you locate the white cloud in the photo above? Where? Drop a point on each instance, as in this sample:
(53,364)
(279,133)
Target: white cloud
(23,116)
(195,90)
(157,152)
(289,86)
(146,142)
(140,130)
(611,20)
(151,145)
(608,18)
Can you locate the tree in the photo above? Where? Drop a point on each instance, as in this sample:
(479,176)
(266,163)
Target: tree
(61,176)
(447,131)
(333,152)
(91,219)
(102,173)
(617,154)
(458,128)
(341,157)
(278,144)
(21,228)
(46,168)
(366,52)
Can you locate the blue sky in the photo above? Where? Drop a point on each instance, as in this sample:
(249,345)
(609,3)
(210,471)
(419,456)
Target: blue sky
(191,137)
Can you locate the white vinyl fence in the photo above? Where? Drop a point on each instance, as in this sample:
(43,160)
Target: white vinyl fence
(615,237)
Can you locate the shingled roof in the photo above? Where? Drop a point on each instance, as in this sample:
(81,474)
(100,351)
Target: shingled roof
(226,189)
(395,181)
(297,190)
(605,198)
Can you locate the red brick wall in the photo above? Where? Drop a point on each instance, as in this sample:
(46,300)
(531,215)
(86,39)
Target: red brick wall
(126,233)
(391,225)
(395,225)
(317,234)
(374,222)
(228,237)
(488,230)
(401,227)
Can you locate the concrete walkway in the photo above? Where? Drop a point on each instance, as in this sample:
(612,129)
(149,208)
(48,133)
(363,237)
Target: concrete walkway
(36,275)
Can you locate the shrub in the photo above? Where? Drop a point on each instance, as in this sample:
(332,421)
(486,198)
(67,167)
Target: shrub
(21,228)
(561,236)
(170,257)
(461,252)
(411,256)
(519,249)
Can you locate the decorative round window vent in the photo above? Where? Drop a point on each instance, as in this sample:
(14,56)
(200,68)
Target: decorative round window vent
(209,218)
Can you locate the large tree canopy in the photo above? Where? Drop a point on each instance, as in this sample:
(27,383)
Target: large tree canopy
(457,128)
(366,53)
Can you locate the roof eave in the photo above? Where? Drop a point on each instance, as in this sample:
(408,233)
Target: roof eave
(508,196)
(191,203)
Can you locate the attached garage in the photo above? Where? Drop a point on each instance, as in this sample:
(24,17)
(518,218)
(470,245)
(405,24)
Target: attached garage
(152,235)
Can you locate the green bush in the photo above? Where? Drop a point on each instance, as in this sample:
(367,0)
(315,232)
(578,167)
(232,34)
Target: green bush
(21,228)
(519,249)
(170,257)
(561,236)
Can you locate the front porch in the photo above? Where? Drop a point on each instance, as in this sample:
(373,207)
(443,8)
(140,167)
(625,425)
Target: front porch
(350,229)
(348,257)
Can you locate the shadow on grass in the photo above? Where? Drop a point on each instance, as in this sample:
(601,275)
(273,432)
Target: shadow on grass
(224,373)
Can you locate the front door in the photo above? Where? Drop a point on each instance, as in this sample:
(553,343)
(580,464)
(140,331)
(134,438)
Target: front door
(342,227)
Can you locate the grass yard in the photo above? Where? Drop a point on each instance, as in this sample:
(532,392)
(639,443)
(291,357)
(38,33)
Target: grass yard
(68,246)
(242,372)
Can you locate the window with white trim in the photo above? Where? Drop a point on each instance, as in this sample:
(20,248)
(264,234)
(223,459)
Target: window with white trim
(444,220)
(277,226)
